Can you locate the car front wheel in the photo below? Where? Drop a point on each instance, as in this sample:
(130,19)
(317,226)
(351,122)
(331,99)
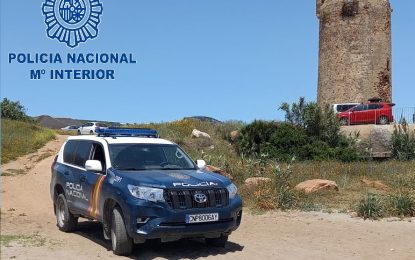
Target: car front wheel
(122,244)
(64,218)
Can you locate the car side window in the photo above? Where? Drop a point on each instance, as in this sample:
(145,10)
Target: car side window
(374,106)
(98,154)
(69,152)
(82,153)
(361,108)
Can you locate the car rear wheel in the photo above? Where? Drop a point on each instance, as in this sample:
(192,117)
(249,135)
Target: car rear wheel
(79,132)
(383,120)
(91,132)
(217,242)
(64,218)
(122,244)
(344,121)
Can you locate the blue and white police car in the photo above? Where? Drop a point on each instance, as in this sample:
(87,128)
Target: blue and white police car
(141,187)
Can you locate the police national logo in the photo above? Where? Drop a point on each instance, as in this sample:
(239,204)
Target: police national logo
(72,21)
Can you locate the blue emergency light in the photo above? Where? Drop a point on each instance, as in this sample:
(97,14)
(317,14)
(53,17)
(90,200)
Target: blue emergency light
(127,132)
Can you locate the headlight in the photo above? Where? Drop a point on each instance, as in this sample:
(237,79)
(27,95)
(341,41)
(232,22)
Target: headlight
(146,193)
(233,190)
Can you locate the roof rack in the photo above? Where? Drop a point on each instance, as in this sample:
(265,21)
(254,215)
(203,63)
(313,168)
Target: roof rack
(127,132)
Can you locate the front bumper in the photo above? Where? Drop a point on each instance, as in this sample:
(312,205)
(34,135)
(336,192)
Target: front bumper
(162,222)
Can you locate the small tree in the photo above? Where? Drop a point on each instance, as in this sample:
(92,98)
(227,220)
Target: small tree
(319,122)
(13,110)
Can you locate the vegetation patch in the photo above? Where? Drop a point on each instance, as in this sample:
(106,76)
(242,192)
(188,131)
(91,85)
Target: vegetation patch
(309,133)
(403,142)
(19,138)
(401,204)
(370,207)
(14,172)
(279,193)
(22,240)
(43,156)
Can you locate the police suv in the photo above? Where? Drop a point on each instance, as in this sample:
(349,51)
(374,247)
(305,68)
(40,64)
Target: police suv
(141,187)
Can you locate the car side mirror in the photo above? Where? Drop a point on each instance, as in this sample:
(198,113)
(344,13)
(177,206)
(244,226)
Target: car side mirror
(93,166)
(201,164)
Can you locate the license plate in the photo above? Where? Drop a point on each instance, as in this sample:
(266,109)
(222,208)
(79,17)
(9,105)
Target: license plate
(200,218)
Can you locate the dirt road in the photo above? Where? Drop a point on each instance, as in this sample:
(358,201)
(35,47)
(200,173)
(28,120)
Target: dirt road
(29,231)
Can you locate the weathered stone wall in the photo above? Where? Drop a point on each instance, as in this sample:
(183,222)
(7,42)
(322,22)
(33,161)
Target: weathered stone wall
(355,51)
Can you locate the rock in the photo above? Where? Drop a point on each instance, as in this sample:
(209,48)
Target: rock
(253,181)
(217,170)
(196,133)
(374,184)
(234,136)
(312,186)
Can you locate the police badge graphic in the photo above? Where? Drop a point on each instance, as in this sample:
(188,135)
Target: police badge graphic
(72,21)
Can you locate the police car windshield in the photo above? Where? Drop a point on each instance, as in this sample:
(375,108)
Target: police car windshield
(141,157)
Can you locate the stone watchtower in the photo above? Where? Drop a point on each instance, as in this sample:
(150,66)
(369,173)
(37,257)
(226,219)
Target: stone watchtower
(355,51)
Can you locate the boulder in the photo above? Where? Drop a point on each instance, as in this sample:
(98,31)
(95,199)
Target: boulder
(254,181)
(196,133)
(312,186)
(379,185)
(217,170)
(234,136)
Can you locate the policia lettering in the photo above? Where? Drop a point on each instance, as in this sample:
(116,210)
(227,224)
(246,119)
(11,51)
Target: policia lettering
(75,190)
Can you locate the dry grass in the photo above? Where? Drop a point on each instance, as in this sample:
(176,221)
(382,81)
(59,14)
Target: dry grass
(399,176)
(20,138)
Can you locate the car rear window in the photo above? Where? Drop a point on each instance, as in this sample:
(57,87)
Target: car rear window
(82,153)
(77,152)
(69,152)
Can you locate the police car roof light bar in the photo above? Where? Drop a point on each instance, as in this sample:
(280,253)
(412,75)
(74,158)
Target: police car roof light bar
(127,132)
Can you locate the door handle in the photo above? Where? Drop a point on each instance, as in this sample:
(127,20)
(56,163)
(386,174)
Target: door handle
(83,178)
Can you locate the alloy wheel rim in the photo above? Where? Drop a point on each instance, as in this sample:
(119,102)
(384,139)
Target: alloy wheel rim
(61,213)
(113,239)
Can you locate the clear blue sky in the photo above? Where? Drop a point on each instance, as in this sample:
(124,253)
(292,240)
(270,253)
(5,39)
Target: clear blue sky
(229,59)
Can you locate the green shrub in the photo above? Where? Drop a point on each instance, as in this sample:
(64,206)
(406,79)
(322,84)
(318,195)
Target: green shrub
(402,204)
(272,140)
(254,138)
(20,138)
(403,142)
(309,133)
(370,207)
(319,123)
(13,110)
(287,141)
(286,196)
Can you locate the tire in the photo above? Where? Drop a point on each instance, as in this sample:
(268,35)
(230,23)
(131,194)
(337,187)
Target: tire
(91,132)
(64,218)
(344,121)
(122,244)
(217,242)
(79,132)
(383,120)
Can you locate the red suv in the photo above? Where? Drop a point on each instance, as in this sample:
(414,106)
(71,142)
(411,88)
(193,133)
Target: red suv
(367,113)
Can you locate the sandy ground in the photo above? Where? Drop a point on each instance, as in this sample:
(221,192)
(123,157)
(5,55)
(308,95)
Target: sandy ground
(26,209)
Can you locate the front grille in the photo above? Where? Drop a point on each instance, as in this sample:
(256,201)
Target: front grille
(184,199)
